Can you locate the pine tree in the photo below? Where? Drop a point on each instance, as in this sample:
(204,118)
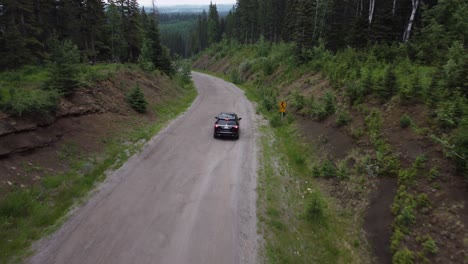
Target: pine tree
(115,29)
(94,29)
(64,73)
(137,100)
(303,34)
(214,35)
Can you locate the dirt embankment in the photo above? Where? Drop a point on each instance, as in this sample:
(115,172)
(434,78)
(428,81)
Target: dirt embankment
(368,196)
(36,146)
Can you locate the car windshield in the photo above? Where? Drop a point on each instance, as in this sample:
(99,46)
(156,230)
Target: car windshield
(224,122)
(226,116)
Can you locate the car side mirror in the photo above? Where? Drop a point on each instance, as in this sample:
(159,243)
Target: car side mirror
(216,117)
(240,118)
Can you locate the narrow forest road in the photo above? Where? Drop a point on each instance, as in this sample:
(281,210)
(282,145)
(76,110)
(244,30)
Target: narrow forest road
(186,198)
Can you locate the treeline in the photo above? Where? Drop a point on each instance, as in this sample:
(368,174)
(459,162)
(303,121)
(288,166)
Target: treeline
(114,30)
(429,27)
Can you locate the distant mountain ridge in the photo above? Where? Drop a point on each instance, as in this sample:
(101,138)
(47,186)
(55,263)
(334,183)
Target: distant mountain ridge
(191,8)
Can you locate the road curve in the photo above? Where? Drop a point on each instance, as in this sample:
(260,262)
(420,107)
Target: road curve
(186,198)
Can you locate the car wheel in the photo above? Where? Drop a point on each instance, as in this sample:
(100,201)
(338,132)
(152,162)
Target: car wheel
(236,137)
(214,136)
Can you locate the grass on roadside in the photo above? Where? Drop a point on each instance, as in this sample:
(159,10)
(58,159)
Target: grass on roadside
(299,223)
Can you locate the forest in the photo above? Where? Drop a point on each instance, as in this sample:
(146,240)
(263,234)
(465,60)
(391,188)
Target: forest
(118,31)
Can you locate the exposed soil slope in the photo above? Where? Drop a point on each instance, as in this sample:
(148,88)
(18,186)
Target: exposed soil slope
(35,146)
(443,217)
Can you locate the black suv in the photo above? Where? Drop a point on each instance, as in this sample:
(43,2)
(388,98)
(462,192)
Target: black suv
(227,124)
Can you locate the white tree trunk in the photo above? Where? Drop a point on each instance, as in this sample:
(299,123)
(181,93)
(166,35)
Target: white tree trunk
(371,11)
(316,16)
(361,8)
(409,26)
(394,7)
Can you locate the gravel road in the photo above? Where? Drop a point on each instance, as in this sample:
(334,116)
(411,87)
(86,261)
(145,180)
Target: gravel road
(186,198)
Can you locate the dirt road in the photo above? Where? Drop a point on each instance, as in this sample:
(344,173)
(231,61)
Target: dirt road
(186,198)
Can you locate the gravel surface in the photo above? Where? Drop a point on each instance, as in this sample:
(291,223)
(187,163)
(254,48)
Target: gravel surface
(186,198)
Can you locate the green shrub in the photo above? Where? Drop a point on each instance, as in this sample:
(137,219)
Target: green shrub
(434,173)
(316,171)
(267,67)
(423,201)
(236,78)
(342,171)
(276,120)
(245,66)
(405,121)
(389,86)
(330,102)
(448,113)
(343,119)
(318,111)
(328,169)
(430,246)
(137,100)
(420,161)
(316,207)
(396,239)
(407,215)
(297,100)
(404,256)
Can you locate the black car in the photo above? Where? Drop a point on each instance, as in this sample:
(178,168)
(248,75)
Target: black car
(227,125)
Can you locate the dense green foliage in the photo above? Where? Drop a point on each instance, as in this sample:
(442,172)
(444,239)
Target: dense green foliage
(101,30)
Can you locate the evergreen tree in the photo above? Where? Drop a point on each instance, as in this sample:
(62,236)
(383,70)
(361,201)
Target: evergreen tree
(116,40)
(214,35)
(137,100)
(132,28)
(64,73)
(94,29)
(303,35)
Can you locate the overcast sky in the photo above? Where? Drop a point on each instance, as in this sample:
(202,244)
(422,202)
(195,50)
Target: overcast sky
(184,2)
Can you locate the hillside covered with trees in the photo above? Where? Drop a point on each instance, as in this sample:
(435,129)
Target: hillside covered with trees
(377,90)
(415,50)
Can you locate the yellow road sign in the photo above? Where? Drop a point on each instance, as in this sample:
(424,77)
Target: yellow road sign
(282,106)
